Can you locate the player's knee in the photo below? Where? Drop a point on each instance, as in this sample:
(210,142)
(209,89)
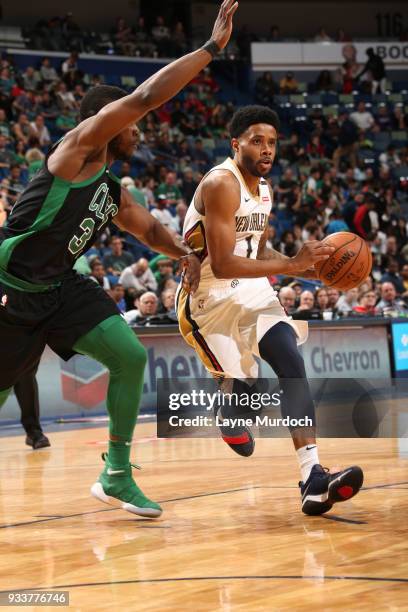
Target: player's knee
(135,358)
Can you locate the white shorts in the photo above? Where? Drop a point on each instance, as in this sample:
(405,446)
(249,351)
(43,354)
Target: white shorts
(225,322)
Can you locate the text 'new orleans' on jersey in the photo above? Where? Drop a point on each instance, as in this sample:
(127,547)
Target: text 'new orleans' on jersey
(53,223)
(251,219)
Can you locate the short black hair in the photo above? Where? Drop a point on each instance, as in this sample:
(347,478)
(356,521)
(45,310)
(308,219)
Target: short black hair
(250,115)
(97,97)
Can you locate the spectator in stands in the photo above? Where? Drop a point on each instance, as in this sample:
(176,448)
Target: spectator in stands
(348,142)
(363,217)
(168,301)
(347,302)
(117,260)
(389,304)
(188,185)
(48,107)
(137,194)
(287,298)
(4,124)
(362,118)
(392,275)
(314,148)
(65,98)
(322,36)
(162,213)
(178,40)
(48,74)
(161,36)
(123,38)
(170,189)
(31,79)
(40,131)
(333,296)
(23,102)
(6,155)
(164,273)
(274,34)
(383,120)
(7,81)
(288,85)
(181,211)
(201,159)
(399,119)
(74,36)
(391,250)
(143,43)
(324,81)
(390,158)
(138,276)
(375,70)
(265,89)
(311,195)
(146,305)
(321,299)
(366,304)
(98,274)
(306,309)
(148,190)
(404,277)
(118,296)
(65,121)
(70,70)
(35,160)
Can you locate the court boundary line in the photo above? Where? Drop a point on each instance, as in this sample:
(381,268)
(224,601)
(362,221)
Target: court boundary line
(208,578)
(164,501)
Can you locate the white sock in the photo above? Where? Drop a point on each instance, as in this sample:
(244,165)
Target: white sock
(307,457)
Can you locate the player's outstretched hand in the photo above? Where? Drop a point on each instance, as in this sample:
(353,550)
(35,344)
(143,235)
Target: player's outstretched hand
(191,272)
(311,252)
(223,24)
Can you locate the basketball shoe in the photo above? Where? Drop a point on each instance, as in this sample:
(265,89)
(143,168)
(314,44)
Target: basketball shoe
(238,437)
(37,439)
(115,486)
(322,489)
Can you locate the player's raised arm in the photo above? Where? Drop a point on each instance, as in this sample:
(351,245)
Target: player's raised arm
(159,88)
(220,194)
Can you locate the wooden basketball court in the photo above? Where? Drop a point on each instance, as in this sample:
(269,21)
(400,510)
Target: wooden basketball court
(231,537)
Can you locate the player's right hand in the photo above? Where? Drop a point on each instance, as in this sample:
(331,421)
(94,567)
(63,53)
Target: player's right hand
(223,24)
(311,252)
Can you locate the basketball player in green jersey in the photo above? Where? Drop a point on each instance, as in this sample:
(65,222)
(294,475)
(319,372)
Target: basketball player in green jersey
(55,220)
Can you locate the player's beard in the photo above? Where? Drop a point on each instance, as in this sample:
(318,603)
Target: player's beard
(252,167)
(118,152)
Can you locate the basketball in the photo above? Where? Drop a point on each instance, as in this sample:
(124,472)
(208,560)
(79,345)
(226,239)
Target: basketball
(350,263)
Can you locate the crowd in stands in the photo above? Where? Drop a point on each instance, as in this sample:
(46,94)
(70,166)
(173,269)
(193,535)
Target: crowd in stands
(162,38)
(343,170)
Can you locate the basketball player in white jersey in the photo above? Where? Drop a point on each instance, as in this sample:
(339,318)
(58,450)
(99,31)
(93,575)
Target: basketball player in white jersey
(235,314)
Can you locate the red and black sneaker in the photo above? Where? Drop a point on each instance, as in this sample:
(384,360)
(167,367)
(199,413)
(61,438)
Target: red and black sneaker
(322,489)
(238,437)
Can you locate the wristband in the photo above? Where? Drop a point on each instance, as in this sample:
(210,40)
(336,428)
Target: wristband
(211,47)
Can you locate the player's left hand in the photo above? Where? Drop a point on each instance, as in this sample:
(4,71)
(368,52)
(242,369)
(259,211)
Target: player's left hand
(191,272)
(223,25)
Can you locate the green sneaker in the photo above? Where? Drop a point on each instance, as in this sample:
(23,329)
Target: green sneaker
(117,488)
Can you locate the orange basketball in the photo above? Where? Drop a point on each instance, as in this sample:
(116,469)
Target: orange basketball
(349,265)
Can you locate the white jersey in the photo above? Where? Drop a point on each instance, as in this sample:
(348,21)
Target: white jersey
(224,320)
(251,219)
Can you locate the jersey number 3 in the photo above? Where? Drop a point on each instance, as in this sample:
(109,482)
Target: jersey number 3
(102,213)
